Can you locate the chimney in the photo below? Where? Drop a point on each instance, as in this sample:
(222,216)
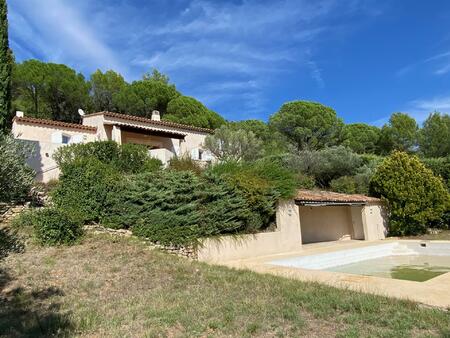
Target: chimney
(19,113)
(156,116)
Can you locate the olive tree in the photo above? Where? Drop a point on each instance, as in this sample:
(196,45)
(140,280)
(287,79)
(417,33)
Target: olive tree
(16,177)
(236,145)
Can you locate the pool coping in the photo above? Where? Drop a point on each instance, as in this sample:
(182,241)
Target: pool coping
(433,292)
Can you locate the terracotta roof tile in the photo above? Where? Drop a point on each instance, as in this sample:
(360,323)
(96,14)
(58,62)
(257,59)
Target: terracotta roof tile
(332,197)
(45,122)
(150,121)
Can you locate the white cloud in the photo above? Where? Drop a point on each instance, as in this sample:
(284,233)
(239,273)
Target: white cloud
(420,109)
(439,65)
(230,53)
(59,33)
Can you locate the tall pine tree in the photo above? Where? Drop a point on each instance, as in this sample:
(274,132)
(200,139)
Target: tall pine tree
(5,66)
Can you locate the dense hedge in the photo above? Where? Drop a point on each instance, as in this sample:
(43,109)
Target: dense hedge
(110,184)
(416,198)
(84,187)
(178,207)
(51,226)
(92,173)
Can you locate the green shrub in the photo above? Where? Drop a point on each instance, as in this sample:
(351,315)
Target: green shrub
(126,158)
(224,208)
(414,195)
(185,163)
(179,207)
(440,167)
(85,186)
(263,183)
(344,184)
(305,182)
(24,221)
(16,177)
(162,207)
(55,227)
(134,158)
(104,151)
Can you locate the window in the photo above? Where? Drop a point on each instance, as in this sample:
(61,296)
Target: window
(200,155)
(65,139)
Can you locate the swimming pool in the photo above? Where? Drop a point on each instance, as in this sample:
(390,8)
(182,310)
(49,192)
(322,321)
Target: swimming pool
(415,261)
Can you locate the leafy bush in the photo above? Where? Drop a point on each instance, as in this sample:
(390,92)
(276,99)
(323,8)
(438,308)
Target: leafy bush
(16,177)
(305,182)
(440,167)
(50,226)
(414,195)
(85,185)
(344,184)
(126,158)
(54,227)
(328,164)
(185,163)
(263,183)
(134,158)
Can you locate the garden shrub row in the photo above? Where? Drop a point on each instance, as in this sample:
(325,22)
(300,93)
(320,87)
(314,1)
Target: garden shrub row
(175,206)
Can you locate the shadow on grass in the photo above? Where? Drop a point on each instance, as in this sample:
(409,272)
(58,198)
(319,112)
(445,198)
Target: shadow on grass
(30,313)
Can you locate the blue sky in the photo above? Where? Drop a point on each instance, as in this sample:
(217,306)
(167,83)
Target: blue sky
(364,58)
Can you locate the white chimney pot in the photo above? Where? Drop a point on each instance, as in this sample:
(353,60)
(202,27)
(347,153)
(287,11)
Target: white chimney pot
(156,116)
(19,113)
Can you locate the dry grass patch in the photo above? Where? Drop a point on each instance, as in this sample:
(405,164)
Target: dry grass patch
(118,287)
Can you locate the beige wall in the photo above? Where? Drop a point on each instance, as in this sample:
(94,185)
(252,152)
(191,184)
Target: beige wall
(325,223)
(286,238)
(41,138)
(356,214)
(374,222)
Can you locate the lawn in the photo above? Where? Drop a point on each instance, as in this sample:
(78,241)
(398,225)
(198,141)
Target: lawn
(118,287)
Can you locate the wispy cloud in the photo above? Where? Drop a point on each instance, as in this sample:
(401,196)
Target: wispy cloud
(228,54)
(247,42)
(58,33)
(420,109)
(438,64)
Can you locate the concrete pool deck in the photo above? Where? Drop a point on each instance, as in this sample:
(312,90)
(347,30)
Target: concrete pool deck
(434,292)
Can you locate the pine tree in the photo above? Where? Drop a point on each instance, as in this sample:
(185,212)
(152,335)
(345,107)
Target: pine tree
(5,66)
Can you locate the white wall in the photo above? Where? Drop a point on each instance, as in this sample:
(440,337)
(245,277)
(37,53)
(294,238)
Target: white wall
(41,138)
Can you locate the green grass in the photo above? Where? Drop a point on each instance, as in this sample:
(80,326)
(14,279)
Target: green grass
(110,287)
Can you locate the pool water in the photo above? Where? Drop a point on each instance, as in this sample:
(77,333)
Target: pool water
(417,268)
(410,260)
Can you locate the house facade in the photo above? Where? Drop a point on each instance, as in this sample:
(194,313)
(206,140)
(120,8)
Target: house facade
(164,139)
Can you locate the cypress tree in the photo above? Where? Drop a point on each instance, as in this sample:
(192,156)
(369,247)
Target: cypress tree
(5,66)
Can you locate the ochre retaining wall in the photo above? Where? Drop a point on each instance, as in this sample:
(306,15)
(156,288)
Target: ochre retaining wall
(286,238)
